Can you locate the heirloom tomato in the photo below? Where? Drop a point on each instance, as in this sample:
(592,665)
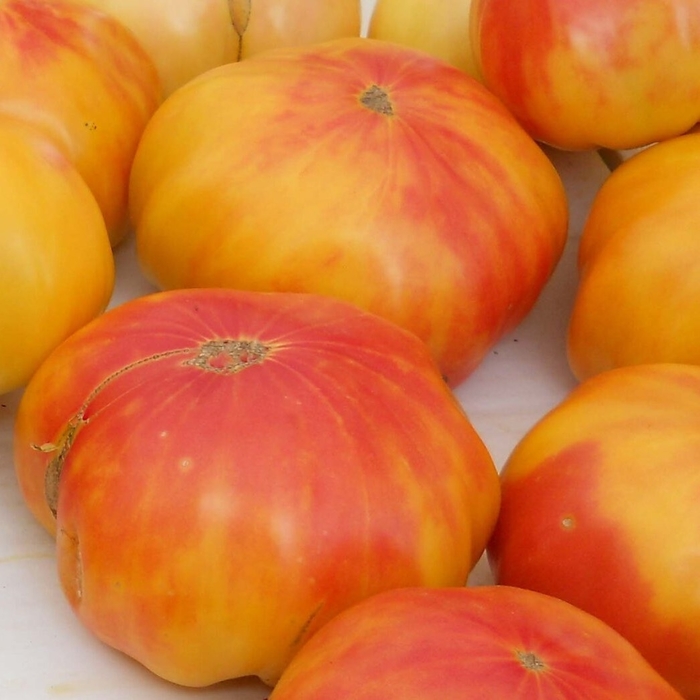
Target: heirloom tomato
(476,643)
(639,260)
(225,471)
(82,78)
(601,507)
(440,27)
(579,74)
(360,169)
(56,266)
(196,35)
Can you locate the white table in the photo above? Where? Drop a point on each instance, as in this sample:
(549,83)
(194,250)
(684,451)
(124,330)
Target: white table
(44,650)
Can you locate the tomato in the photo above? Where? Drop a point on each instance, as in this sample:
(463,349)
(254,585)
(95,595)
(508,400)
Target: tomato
(440,27)
(639,260)
(491,642)
(600,508)
(193,37)
(228,470)
(579,74)
(360,169)
(268,24)
(82,78)
(56,267)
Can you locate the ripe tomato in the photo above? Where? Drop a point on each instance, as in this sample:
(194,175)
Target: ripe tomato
(193,37)
(56,266)
(357,168)
(440,27)
(473,643)
(82,78)
(229,470)
(639,261)
(580,74)
(600,508)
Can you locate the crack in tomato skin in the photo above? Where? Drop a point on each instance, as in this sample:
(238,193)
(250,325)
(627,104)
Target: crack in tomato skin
(222,356)
(54,468)
(62,446)
(71,564)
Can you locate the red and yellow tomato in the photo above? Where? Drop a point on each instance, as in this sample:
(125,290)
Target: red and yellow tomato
(601,507)
(82,78)
(225,471)
(492,642)
(56,265)
(639,261)
(360,169)
(580,74)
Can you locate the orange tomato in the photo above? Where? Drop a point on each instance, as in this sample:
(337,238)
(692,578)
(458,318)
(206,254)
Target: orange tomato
(82,78)
(440,27)
(357,168)
(639,260)
(56,267)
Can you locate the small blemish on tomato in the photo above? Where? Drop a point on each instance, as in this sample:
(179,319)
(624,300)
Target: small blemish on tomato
(568,522)
(185,464)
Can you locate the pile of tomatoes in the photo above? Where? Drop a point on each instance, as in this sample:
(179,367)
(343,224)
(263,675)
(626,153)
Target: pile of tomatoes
(261,468)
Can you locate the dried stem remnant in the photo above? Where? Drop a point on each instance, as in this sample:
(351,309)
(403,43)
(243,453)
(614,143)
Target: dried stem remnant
(531,661)
(377,99)
(228,356)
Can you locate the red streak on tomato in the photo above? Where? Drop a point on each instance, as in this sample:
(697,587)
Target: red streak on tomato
(39,29)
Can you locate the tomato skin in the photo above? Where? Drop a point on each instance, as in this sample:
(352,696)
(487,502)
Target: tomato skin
(640,248)
(194,37)
(81,77)
(600,508)
(271,24)
(56,267)
(580,74)
(440,27)
(409,213)
(491,642)
(302,477)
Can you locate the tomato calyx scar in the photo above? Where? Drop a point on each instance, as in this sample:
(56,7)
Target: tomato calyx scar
(228,356)
(530,661)
(376,98)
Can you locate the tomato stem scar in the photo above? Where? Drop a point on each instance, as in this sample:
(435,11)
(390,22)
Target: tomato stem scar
(531,661)
(377,99)
(228,356)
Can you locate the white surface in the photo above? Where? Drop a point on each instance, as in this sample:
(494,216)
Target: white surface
(44,651)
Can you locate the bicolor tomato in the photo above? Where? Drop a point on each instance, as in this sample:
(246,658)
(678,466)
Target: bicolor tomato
(226,471)
(359,169)
(600,508)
